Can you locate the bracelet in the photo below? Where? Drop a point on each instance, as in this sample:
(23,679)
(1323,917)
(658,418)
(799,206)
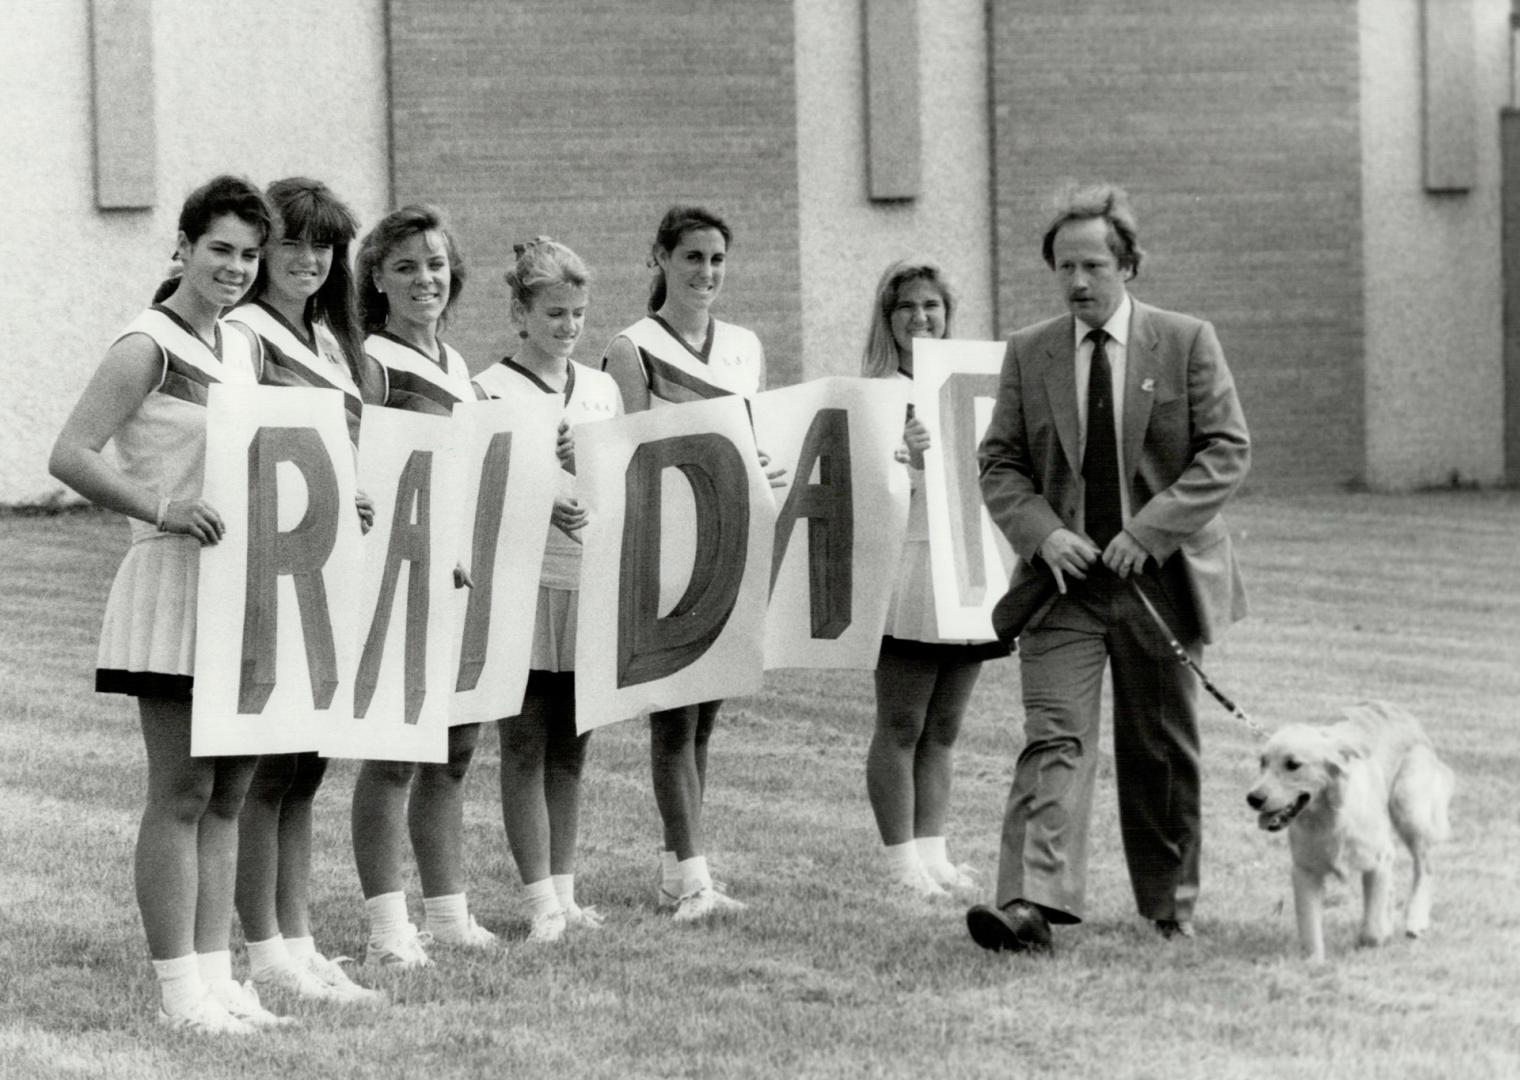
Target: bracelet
(163,511)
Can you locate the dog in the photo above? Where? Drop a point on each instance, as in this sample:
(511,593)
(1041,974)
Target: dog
(1343,791)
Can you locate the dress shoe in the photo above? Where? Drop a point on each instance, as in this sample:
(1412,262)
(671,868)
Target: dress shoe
(1175,928)
(1016,927)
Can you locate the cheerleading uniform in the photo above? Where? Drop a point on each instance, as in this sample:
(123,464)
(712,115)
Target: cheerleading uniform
(412,374)
(147,641)
(729,362)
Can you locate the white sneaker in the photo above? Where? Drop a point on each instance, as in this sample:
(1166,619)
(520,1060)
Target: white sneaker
(292,980)
(547,928)
(921,885)
(722,901)
(584,918)
(408,949)
(206,1017)
(331,974)
(666,898)
(242,1001)
(473,936)
(952,877)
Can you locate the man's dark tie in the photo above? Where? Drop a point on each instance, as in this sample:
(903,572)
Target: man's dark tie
(1100,458)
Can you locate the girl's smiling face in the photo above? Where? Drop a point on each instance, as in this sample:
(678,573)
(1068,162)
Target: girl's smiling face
(295,266)
(221,266)
(414,276)
(694,269)
(553,319)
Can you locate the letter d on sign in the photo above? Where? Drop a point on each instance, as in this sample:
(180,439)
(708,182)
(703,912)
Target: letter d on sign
(300,553)
(651,646)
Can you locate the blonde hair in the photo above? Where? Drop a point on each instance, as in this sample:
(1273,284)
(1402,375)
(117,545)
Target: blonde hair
(880,357)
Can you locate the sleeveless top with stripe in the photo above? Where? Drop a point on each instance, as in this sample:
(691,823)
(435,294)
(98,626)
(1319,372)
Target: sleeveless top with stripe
(162,445)
(411,373)
(294,358)
(729,361)
(589,395)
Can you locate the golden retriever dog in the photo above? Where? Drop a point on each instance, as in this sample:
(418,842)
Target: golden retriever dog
(1342,791)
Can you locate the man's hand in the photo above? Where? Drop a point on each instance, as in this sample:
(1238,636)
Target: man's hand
(1124,556)
(1067,552)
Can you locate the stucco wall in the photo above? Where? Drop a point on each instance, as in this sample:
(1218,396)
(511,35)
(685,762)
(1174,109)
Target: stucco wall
(846,240)
(1435,391)
(266,90)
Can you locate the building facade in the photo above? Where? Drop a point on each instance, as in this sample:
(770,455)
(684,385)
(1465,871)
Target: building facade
(1321,178)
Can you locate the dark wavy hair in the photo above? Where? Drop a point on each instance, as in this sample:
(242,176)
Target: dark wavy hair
(220,195)
(391,230)
(677,222)
(308,210)
(1106,201)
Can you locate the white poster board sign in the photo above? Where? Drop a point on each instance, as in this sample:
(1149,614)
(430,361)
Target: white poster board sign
(840,519)
(955,387)
(510,474)
(677,560)
(408,637)
(277,633)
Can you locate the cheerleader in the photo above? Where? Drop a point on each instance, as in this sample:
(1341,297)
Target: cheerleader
(302,309)
(679,353)
(541,754)
(409,276)
(149,397)
(922,682)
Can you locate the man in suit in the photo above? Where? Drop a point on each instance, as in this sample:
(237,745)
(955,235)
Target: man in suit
(1116,439)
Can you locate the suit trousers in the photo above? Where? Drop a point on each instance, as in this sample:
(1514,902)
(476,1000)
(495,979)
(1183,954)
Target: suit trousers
(1099,624)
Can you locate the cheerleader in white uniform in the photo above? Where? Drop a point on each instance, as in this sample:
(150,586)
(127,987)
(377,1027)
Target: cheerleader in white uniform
(302,308)
(679,353)
(922,681)
(409,276)
(541,754)
(149,397)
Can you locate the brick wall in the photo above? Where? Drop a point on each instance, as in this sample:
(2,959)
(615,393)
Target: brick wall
(584,122)
(1234,126)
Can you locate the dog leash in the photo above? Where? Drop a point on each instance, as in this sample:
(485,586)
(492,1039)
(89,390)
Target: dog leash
(1188,662)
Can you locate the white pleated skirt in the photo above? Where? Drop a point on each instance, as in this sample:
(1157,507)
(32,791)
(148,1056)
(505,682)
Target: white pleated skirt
(147,638)
(554,630)
(910,616)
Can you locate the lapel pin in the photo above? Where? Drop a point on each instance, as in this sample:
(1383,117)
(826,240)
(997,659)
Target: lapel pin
(1148,385)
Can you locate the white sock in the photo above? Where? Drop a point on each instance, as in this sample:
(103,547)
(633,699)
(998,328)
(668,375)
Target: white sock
(179,983)
(931,852)
(215,965)
(564,888)
(301,949)
(670,873)
(694,876)
(267,955)
(446,913)
(387,916)
(903,861)
(542,899)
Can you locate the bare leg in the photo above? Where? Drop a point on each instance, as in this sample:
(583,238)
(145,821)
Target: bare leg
(904,687)
(436,816)
(378,823)
(523,810)
(259,846)
(676,779)
(216,843)
(933,756)
(166,864)
(293,896)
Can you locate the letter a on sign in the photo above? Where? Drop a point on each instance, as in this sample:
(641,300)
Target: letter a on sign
(276,631)
(838,439)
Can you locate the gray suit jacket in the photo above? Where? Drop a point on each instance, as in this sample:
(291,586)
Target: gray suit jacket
(1186,451)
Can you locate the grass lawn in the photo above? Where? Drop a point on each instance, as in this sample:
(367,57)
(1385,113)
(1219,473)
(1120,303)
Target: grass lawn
(1414,599)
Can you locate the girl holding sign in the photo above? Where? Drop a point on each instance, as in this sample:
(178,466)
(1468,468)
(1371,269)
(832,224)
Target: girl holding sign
(922,682)
(679,353)
(149,397)
(409,275)
(302,309)
(541,754)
